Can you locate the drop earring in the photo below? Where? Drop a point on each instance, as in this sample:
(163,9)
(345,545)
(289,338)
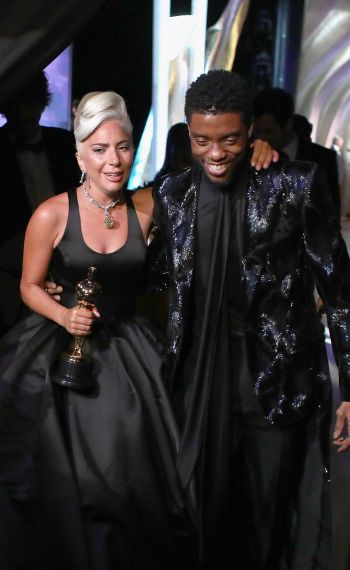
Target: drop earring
(83,177)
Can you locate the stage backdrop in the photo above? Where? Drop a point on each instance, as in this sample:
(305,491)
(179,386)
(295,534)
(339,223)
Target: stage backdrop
(323,90)
(34,32)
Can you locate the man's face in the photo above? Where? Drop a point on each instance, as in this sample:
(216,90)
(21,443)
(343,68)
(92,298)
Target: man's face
(218,143)
(267,129)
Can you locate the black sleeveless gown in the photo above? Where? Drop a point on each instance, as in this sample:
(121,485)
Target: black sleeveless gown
(88,481)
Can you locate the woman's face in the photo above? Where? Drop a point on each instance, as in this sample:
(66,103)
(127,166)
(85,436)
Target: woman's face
(106,156)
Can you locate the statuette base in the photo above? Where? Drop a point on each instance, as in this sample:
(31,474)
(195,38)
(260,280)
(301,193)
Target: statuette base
(74,373)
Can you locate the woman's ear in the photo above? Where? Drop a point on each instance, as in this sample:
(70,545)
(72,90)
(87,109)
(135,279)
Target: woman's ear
(80,161)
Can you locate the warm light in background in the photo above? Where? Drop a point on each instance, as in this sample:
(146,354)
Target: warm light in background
(178,58)
(179,30)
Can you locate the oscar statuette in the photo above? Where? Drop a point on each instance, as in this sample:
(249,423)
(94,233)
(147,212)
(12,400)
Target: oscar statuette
(74,367)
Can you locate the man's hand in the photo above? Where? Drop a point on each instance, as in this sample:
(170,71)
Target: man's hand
(263,154)
(54,290)
(341,434)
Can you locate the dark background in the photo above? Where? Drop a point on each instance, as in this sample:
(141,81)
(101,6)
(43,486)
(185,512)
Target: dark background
(114,51)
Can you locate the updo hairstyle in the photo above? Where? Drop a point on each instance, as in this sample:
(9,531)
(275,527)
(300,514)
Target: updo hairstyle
(97,107)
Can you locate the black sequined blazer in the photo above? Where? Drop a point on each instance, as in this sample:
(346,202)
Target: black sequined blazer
(291,243)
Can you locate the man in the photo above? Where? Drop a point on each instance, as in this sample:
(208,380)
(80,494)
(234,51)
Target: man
(247,359)
(36,163)
(275,122)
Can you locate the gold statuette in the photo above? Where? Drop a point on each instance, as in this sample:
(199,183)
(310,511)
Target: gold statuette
(74,367)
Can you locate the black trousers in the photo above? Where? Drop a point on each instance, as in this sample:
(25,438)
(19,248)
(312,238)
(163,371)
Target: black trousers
(279,515)
(278,505)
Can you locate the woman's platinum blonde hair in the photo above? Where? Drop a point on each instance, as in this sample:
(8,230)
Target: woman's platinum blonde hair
(97,107)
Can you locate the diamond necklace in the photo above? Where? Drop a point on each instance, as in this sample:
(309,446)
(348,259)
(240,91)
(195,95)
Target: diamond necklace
(108,221)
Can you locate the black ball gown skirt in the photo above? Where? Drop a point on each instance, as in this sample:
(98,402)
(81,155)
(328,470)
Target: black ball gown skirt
(88,480)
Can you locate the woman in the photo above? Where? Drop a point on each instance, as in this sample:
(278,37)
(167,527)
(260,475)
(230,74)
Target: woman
(88,478)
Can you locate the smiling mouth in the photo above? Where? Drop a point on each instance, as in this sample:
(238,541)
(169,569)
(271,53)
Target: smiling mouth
(217,169)
(114,174)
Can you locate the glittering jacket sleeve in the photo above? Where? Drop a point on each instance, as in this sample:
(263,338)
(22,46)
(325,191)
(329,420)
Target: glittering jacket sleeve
(328,258)
(157,262)
(174,214)
(293,243)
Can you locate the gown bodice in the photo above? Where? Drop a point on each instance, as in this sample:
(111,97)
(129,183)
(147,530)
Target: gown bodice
(120,273)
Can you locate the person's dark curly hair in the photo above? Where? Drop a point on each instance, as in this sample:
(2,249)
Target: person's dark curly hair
(37,89)
(276,102)
(219,91)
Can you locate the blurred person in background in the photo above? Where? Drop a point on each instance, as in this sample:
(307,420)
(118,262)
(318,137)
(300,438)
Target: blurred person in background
(274,122)
(36,162)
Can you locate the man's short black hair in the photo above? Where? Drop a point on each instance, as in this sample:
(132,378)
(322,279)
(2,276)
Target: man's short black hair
(276,102)
(219,91)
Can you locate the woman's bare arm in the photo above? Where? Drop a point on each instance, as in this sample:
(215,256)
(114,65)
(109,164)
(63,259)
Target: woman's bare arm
(44,232)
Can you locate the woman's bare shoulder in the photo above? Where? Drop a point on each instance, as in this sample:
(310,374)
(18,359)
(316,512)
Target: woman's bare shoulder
(143,199)
(53,210)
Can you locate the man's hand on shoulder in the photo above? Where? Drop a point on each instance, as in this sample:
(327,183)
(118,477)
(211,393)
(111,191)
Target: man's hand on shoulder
(263,154)
(341,434)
